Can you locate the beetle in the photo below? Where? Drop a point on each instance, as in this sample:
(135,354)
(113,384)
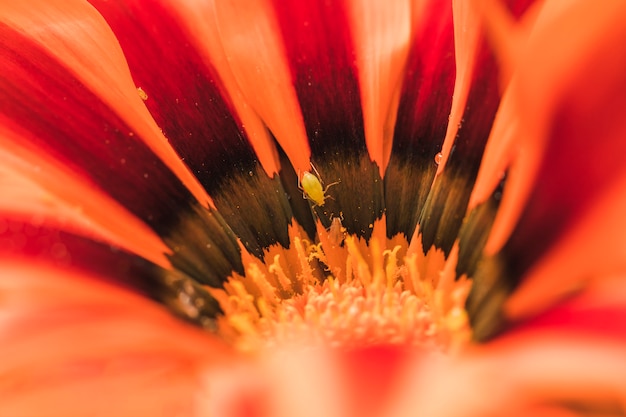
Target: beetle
(313,188)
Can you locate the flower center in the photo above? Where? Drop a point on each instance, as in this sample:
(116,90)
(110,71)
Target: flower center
(347,293)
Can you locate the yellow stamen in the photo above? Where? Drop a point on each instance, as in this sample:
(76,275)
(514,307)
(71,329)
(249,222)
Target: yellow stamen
(345,292)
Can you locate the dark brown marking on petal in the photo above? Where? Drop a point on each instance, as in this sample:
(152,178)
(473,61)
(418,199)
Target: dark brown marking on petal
(57,115)
(255,207)
(188,101)
(474,233)
(488,294)
(422,120)
(320,50)
(204,247)
(22,240)
(446,204)
(357,198)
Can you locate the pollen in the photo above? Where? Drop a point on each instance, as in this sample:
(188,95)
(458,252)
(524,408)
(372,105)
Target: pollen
(344,292)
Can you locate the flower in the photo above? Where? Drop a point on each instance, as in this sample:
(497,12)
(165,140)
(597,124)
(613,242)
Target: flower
(460,164)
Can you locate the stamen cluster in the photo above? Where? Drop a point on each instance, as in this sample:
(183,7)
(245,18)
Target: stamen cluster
(344,292)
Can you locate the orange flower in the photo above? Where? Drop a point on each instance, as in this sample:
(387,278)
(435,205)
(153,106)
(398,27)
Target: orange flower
(277,208)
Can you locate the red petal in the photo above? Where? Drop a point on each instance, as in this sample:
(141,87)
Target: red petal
(25,239)
(446,208)
(94,142)
(423,112)
(319,49)
(598,312)
(569,171)
(476,99)
(46,194)
(184,92)
(74,34)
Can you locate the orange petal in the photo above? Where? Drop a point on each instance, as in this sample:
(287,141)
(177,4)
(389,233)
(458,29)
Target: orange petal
(381,33)
(542,372)
(255,51)
(73,345)
(541,83)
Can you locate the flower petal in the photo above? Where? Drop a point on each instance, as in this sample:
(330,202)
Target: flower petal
(422,118)
(320,49)
(476,100)
(313,50)
(564,205)
(598,312)
(382,32)
(310,382)
(74,34)
(40,241)
(44,193)
(189,101)
(74,345)
(547,373)
(254,49)
(103,149)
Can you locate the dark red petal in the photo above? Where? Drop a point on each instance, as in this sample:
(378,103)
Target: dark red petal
(446,204)
(607,321)
(474,233)
(55,114)
(319,47)
(422,119)
(320,51)
(20,238)
(190,103)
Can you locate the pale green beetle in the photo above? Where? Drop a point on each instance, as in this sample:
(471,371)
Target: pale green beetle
(313,188)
